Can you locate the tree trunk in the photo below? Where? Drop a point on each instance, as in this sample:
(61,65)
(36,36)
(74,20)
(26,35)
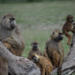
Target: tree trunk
(68,66)
(18,65)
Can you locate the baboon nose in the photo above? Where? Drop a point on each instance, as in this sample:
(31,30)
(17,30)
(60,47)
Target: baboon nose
(12,26)
(72,20)
(35,47)
(61,38)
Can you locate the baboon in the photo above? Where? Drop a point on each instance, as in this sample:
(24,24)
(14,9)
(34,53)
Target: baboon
(54,50)
(68,27)
(44,63)
(3,66)
(11,35)
(35,49)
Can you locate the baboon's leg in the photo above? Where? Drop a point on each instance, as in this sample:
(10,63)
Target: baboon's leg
(48,70)
(56,58)
(69,37)
(45,54)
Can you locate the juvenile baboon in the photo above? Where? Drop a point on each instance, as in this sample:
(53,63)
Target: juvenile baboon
(11,35)
(3,66)
(54,50)
(68,27)
(44,63)
(35,49)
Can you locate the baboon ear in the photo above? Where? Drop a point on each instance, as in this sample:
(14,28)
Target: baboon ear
(37,53)
(3,17)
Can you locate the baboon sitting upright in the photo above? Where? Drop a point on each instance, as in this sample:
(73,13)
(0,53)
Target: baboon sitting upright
(54,50)
(11,35)
(35,49)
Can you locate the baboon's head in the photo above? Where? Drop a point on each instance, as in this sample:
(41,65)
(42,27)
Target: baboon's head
(35,57)
(34,45)
(70,18)
(56,35)
(8,21)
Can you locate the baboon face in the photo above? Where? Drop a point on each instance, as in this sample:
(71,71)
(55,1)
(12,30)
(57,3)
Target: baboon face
(8,21)
(70,18)
(34,45)
(56,35)
(35,58)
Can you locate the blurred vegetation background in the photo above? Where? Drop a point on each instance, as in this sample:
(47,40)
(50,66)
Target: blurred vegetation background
(38,18)
(22,1)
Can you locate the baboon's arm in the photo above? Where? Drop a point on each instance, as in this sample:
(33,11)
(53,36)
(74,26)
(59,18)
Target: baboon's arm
(60,60)
(29,56)
(60,64)
(45,53)
(13,42)
(45,50)
(40,52)
(72,30)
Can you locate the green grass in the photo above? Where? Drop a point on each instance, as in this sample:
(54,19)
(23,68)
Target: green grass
(38,20)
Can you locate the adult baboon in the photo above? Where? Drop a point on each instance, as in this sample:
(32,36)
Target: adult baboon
(54,50)
(11,35)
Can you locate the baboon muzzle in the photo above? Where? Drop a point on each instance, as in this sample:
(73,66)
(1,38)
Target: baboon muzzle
(72,20)
(60,37)
(35,46)
(13,26)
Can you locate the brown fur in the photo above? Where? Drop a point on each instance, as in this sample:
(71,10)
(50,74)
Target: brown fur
(3,66)
(34,50)
(11,38)
(54,50)
(43,63)
(68,27)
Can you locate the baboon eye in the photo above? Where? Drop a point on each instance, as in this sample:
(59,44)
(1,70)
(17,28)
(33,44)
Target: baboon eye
(33,57)
(11,18)
(4,17)
(37,53)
